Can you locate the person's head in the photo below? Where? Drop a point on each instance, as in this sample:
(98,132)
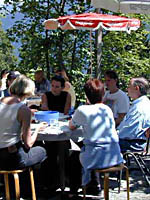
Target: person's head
(138,87)
(4,73)
(62,72)
(94,90)
(57,84)
(22,87)
(11,77)
(111,79)
(39,76)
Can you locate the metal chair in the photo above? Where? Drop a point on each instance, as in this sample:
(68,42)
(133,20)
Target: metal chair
(106,171)
(139,158)
(15,173)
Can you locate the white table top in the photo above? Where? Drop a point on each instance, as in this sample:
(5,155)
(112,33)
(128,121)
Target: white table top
(59,133)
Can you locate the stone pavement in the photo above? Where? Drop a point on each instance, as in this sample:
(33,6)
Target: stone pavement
(139,190)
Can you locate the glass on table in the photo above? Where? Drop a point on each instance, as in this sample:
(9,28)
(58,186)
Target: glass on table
(54,122)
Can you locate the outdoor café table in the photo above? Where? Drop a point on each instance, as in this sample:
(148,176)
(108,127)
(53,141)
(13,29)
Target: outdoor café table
(59,133)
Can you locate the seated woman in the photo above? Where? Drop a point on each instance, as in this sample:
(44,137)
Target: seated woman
(16,140)
(101,148)
(68,87)
(57,99)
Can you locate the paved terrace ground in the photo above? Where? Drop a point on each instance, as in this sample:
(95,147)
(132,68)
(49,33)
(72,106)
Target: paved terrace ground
(138,189)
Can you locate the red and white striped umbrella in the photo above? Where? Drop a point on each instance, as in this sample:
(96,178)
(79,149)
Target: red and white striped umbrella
(93,21)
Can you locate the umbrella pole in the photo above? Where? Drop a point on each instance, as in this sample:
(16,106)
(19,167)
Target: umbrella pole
(99,34)
(91,70)
(99,51)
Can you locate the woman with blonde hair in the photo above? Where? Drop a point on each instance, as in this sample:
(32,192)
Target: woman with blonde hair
(16,139)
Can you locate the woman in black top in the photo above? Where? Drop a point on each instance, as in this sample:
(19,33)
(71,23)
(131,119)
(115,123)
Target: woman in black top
(57,99)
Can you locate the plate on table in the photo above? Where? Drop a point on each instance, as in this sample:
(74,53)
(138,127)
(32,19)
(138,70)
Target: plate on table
(62,116)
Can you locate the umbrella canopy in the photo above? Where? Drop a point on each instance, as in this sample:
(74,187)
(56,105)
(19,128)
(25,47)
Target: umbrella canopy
(93,21)
(124,6)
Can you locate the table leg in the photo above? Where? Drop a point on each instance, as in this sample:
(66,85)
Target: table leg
(63,154)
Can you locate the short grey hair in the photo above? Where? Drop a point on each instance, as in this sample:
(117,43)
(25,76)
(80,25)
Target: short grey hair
(22,86)
(143,85)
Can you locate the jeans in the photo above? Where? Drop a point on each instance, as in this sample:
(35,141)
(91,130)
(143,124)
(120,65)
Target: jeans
(22,157)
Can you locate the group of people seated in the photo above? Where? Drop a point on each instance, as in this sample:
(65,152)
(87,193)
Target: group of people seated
(110,124)
(104,138)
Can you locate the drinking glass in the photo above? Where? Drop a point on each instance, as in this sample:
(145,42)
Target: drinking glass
(54,123)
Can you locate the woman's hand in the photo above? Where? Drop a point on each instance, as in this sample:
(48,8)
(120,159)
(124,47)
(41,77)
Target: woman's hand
(42,126)
(71,126)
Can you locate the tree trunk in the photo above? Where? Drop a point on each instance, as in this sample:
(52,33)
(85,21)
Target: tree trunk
(73,53)
(47,43)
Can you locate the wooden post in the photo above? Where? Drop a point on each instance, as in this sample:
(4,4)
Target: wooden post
(98,48)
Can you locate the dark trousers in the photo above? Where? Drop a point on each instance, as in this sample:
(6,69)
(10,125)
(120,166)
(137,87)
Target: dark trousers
(132,145)
(18,157)
(53,166)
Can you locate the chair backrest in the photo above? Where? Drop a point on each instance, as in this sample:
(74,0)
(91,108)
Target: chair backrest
(148,141)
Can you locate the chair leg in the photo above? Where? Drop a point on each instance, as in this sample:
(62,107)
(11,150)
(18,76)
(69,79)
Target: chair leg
(7,192)
(144,164)
(137,160)
(127,179)
(119,180)
(126,157)
(17,187)
(84,192)
(32,184)
(106,186)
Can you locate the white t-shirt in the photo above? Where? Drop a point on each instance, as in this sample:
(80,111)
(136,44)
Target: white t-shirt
(118,102)
(97,122)
(3,80)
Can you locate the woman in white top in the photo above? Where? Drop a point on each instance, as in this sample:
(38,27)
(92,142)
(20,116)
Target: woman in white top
(16,139)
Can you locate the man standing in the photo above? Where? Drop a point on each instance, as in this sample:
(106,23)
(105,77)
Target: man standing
(132,129)
(115,98)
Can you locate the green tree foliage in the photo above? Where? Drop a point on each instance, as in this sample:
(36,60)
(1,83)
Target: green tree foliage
(7,58)
(51,50)
(128,54)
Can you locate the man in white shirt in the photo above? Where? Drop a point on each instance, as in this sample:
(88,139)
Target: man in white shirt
(115,98)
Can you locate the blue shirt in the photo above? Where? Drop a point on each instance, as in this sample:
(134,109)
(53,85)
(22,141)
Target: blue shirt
(4,93)
(136,121)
